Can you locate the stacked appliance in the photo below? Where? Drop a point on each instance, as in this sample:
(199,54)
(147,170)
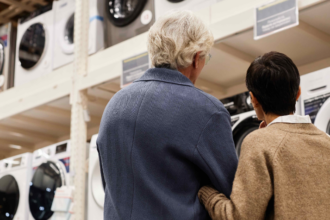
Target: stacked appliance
(34,47)
(164,6)
(7,55)
(51,167)
(95,186)
(243,118)
(64,30)
(127,19)
(14,185)
(315,98)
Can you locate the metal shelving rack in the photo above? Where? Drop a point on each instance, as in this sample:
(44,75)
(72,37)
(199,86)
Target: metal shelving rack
(39,113)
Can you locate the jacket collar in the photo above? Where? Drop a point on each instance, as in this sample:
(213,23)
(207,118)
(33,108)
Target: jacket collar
(165,75)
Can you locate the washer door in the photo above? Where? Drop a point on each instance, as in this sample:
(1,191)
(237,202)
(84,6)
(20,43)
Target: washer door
(175,1)
(124,12)
(97,185)
(66,37)
(322,120)
(32,46)
(9,197)
(46,179)
(2,57)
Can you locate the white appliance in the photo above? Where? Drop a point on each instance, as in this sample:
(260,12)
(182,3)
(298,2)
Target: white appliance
(127,19)
(95,186)
(51,166)
(7,55)
(14,187)
(164,6)
(243,118)
(64,28)
(34,47)
(315,98)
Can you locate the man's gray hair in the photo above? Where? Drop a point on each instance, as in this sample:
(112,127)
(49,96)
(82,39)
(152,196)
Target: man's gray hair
(175,38)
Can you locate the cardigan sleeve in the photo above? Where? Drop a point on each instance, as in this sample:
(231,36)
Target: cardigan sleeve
(252,188)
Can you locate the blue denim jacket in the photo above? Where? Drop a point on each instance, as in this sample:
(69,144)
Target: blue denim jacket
(160,140)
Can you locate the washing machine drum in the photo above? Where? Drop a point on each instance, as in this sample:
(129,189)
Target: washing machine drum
(32,46)
(9,197)
(2,56)
(69,30)
(45,180)
(124,12)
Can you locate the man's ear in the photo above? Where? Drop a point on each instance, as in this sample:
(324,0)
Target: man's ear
(254,100)
(196,60)
(298,94)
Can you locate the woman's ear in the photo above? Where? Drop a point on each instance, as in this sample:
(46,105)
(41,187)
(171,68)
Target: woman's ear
(298,94)
(196,60)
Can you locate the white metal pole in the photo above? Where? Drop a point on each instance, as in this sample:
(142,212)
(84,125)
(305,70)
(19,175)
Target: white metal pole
(79,105)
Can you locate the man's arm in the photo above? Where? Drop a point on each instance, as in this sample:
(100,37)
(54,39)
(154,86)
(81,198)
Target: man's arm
(215,152)
(252,189)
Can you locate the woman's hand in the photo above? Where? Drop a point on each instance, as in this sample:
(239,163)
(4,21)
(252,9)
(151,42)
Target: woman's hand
(263,124)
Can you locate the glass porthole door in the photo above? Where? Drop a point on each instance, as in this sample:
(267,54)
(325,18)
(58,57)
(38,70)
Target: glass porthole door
(124,12)
(9,197)
(2,56)
(46,179)
(32,46)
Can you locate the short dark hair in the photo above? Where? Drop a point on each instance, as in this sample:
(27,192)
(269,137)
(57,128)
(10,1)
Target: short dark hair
(274,81)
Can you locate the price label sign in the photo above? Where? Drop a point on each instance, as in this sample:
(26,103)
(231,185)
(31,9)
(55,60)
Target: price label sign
(274,17)
(133,68)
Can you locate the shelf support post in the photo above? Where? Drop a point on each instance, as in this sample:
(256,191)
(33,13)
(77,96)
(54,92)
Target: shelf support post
(78,101)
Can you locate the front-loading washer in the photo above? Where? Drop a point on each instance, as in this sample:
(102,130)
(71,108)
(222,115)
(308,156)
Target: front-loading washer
(64,30)
(34,46)
(243,118)
(7,55)
(164,6)
(95,186)
(127,19)
(15,177)
(315,98)
(51,166)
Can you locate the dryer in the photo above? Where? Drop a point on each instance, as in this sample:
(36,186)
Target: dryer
(64,28)
(96,193)
(164,6)
(51,166)
(243,118)
(127,19)
(34,46)
(14,187)
(315,98)
(7,55)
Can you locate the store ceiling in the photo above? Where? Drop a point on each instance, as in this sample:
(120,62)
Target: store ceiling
(12,10)
(305,44)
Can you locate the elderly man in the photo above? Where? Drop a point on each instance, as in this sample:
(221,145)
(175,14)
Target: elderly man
(161,138)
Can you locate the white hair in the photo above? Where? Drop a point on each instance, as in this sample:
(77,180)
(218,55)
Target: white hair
(175,38)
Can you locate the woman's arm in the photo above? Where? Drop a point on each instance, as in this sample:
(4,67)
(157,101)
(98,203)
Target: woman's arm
(252,188)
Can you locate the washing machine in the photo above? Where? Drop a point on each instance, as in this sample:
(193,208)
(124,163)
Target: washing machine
(7,55)
(243,118)
(164,6)
(51,166)
(95,187)
(34,46)
(14,187)
(64,28)
(315,98)
(126,19)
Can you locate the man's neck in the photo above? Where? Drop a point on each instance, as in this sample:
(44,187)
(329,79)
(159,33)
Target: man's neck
(271,117)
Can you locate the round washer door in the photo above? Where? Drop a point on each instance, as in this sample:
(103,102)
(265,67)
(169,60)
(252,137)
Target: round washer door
(124,12)
(9,197)
(175,1)
(32,46)
(2,56)
(66,37)
(322,120)
(45,180)
(97,185)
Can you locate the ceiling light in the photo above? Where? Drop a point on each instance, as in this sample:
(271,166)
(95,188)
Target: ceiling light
(15,146)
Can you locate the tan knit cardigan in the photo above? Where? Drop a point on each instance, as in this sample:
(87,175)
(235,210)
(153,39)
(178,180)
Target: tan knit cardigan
(283,174)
